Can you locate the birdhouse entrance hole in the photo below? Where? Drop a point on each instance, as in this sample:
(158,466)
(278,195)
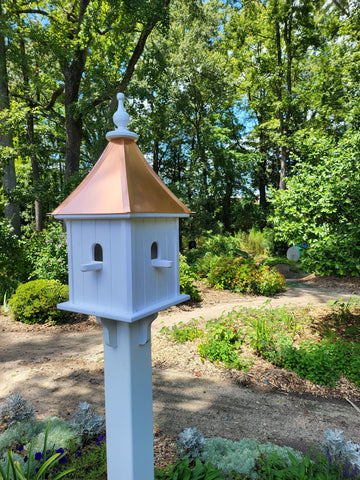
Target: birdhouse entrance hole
(98,253)
(154,251)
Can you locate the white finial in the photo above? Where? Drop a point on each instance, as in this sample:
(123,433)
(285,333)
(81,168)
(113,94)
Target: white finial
(121,119)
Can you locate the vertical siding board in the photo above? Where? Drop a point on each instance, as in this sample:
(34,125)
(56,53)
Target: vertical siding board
(76,255)
(70,236)
(117,279)
(103,277)
(90,293)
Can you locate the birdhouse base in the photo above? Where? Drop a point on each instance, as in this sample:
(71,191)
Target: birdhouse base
(128,317)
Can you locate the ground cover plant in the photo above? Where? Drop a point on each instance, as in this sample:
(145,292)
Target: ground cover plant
(320,348)
(250,459)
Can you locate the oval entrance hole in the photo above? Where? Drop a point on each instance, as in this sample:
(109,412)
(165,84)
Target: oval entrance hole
(154,251)
(98,253)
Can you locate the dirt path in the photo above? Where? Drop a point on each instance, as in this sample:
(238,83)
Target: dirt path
(56,367)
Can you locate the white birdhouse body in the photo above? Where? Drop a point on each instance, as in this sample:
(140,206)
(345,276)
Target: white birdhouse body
(123,268)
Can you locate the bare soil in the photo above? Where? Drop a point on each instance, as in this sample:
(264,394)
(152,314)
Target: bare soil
(55,367)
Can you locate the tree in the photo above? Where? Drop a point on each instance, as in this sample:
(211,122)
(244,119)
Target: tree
(269,42)
(66,61)
(321,206)
(186,120)
(12,211)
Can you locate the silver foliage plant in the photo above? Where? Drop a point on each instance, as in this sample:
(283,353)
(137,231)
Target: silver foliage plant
(15,409)
(228,456)
(87,421)
(190,444)
(338,448)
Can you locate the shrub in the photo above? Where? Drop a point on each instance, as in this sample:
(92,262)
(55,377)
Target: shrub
(47,253)
(321,205)
(256,242)
(222,344)
(187,280)
(31,436)
(190,443)
(243,456)
(224,245)
(243,275)
(35,302)
(339,450)
(273,468)
(184,332)
(61,434)
(323,361)
(88,423)
(183,470)
(15,409)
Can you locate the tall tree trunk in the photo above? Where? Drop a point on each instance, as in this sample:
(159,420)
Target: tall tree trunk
(12,209)
(31,141)
(156,159)
(283,149)
(35,175)
(261,170)
(73,120)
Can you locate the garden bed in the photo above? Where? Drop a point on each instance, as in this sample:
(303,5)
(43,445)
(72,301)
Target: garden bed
(56,367)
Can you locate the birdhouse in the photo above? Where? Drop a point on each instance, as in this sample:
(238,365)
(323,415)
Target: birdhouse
(123,234)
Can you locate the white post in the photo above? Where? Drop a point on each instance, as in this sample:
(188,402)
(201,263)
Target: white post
(128,399)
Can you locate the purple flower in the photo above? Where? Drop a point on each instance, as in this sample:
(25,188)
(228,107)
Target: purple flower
(38,456)
(60,450)
(59,260)
(78,454)
(99,440)
(46,241)
(25,459)
(20,448)
(63,460)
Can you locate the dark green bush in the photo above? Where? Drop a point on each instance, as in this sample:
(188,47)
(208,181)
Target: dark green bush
(35,302)
(273,468)
(187,280)
(227,245)
(183,469)
(322,362)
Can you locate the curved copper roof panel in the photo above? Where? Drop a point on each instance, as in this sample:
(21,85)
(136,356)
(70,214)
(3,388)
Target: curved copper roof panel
(121,182)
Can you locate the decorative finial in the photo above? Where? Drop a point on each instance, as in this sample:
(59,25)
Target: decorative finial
(121,119)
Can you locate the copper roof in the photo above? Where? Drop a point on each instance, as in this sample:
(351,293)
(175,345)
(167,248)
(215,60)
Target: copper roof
(121,182)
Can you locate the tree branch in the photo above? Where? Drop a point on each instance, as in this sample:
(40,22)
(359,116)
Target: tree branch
(35,103)
(138,50)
